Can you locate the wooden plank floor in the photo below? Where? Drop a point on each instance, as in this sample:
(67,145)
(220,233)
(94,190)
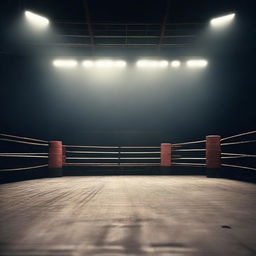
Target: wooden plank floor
(128,215)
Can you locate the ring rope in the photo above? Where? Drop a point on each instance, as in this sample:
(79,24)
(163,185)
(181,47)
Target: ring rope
(190,158)
(102,165)
(111,164)
(19,137)
(239,166)
(139,158)
(236,154)
(76,164)
(193,149)
(24,168)
(23,153)
(155,164)
(24,156)
(24,142)
(90,158)
(91,152)
(233,157)
(189,143)
(238,142)
(176,156)
(139,147)
(189,164)
(109,152)
(238,135)
(139,164)
(111,158)
(153,152)
(77,146)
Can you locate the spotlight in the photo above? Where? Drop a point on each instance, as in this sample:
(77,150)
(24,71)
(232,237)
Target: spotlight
(152,63)
(197,63)
(104,63)
(175,64)
(87,63)
(120,63)
(65,63)
(222,21)
(37,20)
(110,63)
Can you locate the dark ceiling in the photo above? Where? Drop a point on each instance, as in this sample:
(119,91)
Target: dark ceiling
(86,25)
(132,10)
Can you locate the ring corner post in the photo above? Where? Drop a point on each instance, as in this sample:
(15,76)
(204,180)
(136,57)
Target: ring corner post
(166,155)
(213,156)
(55,159)
(63,155)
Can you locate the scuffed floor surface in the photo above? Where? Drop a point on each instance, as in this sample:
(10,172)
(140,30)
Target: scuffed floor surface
(128,215)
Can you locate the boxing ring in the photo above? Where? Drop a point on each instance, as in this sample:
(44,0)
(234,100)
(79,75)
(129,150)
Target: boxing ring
(120,215)
(213,153)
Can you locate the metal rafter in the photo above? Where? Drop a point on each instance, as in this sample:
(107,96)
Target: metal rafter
(88,21)
(165,19)
(117,45)
(126,23)
(124,36)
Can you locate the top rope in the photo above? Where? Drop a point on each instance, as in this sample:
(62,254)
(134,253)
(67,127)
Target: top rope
(238,135)
(24,138)
(25,142)
(189,143)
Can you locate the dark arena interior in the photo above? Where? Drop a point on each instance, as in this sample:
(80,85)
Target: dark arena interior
(127,128)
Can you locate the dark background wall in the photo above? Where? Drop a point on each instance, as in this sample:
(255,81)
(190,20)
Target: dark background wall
(129,107)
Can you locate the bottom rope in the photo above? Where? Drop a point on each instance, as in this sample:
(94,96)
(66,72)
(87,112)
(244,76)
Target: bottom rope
(189,164)
(112,164)
(239,166)
(24,168)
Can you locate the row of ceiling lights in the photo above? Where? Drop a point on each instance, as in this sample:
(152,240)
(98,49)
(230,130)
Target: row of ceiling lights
(144,63)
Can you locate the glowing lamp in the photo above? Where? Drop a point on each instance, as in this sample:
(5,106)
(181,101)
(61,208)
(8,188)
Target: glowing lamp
(36,20)
(65,63)
(197,63)
(175,64)
(222,21)
(152,63)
